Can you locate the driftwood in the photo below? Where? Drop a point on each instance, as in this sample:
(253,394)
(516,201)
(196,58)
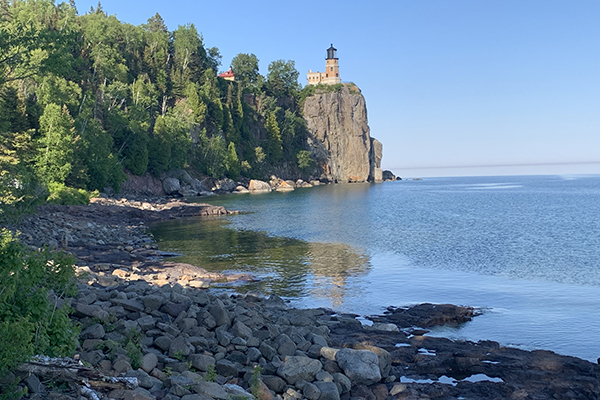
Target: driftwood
(73,371)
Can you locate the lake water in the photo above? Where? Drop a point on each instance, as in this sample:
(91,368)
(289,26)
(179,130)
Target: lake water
(526,249)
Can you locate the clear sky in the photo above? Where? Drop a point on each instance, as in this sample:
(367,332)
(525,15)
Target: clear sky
(506,86)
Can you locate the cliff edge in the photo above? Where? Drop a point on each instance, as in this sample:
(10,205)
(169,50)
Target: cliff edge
(337,121)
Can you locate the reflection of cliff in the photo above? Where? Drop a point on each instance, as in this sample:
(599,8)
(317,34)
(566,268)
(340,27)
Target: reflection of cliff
(284,264)
(332,265)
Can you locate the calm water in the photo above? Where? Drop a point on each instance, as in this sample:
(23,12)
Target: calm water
(525,249)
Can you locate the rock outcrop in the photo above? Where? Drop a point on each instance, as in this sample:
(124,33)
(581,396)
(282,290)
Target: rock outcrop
(337,121)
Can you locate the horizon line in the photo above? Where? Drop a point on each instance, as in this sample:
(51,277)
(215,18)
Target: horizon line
(501,165)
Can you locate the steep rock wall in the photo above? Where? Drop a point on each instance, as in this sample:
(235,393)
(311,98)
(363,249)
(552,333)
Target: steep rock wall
(341,139)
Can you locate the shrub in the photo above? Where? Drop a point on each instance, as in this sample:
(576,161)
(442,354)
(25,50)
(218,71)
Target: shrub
(61,194)
(30,323)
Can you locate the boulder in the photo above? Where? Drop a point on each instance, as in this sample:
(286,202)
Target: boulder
(211,389)
(361,366)
(388,175)
(298,368)
(256,186)
(329,391)
(226,185)
(285,186)
(171,185)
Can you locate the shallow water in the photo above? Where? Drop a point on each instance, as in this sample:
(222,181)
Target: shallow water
(526,249)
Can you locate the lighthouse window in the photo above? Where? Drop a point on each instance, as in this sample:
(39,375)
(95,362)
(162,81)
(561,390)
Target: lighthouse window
(331,68)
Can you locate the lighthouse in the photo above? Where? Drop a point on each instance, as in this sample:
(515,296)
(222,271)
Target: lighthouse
(331,76)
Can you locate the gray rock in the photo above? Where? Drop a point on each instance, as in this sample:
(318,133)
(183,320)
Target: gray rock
(92,357)
(224,337)
(285,345)
(237,392)
(343,381)
(144,380)
(211,389)
(329,391)
(257,186)
(90,311)
(219,313)
(361,366)
(241,330)
(179,348)
(226,368)
(338,123)
(201,362)
(311,391)
(195,396)
(149,362)
(226,185)
(128,304)
(171,185)
(329,353)
(153,302)
(267,351)
(274,383)
(163,343)
(34,385)
(385,359)
(121,365)
(95,331)
(146,322)
(298,368)
(253,355)
(179,390)
(174,309)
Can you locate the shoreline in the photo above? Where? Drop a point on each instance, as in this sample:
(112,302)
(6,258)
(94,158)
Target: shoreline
(126,257)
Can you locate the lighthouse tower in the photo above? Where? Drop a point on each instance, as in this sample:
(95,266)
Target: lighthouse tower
(331,76)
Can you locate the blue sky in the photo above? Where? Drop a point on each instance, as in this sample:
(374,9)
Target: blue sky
(461,87)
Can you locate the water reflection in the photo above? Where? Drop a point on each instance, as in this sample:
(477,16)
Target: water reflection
(288,267)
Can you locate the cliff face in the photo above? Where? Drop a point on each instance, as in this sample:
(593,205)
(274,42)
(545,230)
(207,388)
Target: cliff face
(341,137)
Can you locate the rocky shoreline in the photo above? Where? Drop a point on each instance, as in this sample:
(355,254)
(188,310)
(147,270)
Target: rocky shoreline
(153,320)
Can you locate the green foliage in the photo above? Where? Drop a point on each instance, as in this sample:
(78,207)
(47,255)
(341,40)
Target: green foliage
(282,79)
(55,155)
(232,162)
(305,161)
(255,380)
(211,373)
(61,194)
(245,68)
(30,322)
(133,347)
(273,145)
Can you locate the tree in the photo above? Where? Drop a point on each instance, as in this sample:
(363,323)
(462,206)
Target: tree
(232,162)
(274,145)
(245,68)
(282,79)
(56,144)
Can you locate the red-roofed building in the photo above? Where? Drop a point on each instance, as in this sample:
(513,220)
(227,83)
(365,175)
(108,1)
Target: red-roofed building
(227,75)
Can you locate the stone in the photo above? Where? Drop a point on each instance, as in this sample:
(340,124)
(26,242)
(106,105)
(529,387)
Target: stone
(201,362)
(174,309)
(153,302)
(267,351)
(179,348)
(298,368)
(195,396)
(163,342)
(388,175)
(343,381)
(149,362)
(329,391)
(226,185)
(226,368)
(375,156)
(241,330)
(121,366)
(171,185)
(147,322)
(338,123)
(237,392)
(285,345)
(256,186)
(361,366)
(95,331)
(144,380)
(219,313)
(128,304)
(211,389)
(385,358)
(34,385)
(90,311)
(397,389)
(311,391)
(274,383)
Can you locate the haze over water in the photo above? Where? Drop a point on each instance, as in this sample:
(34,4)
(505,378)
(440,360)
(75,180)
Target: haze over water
(524,248)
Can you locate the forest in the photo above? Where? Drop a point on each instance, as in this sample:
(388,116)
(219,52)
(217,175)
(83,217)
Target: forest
(86,99)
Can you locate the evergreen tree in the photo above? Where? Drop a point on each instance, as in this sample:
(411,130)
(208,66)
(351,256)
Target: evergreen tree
(56,144)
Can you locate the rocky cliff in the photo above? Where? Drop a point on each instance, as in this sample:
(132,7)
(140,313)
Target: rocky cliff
(337,121)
